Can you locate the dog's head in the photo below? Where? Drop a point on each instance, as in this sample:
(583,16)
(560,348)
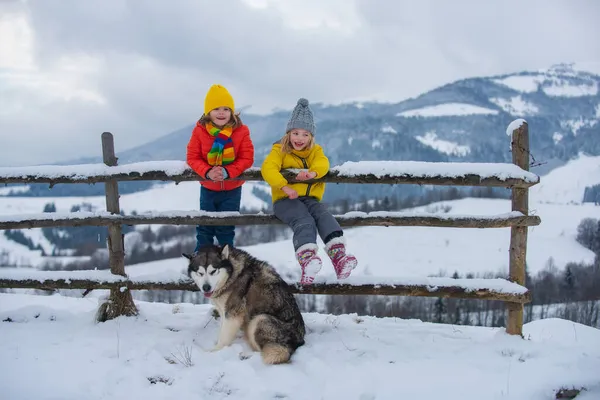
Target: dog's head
(210,268)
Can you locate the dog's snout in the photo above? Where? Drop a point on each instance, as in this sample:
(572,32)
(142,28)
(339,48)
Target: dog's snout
(206,288)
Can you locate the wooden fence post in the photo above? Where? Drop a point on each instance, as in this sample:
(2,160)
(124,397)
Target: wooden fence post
(518,234)
(120,301)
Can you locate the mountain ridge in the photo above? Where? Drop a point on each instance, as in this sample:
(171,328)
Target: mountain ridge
(461,121)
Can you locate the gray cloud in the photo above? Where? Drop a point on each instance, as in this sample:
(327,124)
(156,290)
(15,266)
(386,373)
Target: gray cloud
(153,61)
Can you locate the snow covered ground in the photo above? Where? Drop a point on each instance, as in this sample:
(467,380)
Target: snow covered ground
(52,349)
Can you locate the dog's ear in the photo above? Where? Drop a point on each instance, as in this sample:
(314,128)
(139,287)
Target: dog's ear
(225,252)
(186,255)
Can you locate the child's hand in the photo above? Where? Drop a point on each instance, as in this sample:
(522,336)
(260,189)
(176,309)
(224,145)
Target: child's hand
(292,194)
(216,174)
(305,175)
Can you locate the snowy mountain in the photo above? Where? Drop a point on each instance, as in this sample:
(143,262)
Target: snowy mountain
(461,121)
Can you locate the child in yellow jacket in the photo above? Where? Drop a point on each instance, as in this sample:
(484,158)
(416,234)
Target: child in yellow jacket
(299,204)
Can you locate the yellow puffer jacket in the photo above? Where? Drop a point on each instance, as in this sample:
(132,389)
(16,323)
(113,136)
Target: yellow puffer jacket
(313,160)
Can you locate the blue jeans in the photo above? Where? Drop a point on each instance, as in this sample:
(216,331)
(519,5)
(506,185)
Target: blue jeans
(228,200)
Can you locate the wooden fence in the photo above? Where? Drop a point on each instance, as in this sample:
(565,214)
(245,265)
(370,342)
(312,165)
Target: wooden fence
(120,302)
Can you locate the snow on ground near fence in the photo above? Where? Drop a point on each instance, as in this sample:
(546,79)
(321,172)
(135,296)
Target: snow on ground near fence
(53,349)
(349,168)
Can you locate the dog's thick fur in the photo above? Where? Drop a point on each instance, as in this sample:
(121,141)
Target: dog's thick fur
(249,295)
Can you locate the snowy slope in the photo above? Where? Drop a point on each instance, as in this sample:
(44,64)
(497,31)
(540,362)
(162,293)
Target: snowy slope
(566,185)
(443,146)
(447,109)
(52,349)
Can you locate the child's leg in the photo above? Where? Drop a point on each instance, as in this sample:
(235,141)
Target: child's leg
(227,201)
(327,225)
(296,215)
(332,235)
(205,233)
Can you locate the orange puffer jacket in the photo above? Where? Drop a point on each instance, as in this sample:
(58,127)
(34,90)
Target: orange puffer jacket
(200,144)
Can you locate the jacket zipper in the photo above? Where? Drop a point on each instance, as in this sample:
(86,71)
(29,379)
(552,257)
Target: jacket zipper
(309,185)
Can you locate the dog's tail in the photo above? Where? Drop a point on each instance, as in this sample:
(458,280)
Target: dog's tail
(273,353)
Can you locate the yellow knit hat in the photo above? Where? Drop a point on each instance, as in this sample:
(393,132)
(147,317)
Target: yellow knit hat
(216,97)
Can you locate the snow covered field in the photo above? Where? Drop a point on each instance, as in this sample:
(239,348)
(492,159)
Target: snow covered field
(52,349)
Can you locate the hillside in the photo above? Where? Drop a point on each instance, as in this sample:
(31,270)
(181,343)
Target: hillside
(567,185)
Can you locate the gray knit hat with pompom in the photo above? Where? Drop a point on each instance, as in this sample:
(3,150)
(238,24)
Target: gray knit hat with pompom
(302,117)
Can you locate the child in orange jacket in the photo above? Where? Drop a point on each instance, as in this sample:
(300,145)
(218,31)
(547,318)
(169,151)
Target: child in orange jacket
(219,148)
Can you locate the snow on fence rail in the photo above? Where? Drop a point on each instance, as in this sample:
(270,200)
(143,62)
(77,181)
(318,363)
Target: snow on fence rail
(515,176)
(375,172)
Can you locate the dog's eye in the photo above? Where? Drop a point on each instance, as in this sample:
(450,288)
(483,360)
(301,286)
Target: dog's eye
(214,271)
(200,273)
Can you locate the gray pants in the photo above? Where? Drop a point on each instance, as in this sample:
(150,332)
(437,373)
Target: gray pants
(306,215)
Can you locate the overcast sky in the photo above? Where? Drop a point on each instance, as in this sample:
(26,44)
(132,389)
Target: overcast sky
(71,69)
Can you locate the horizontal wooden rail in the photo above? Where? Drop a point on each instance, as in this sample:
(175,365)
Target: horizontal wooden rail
(383,218)
(317,288)
(400,172)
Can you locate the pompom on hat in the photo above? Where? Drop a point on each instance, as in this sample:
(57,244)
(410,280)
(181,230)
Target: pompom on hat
(216,97)
(302,117)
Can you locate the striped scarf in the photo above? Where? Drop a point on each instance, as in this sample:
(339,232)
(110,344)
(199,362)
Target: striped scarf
(221,152)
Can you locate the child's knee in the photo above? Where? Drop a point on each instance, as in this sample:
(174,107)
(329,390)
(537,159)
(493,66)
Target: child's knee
(301,223)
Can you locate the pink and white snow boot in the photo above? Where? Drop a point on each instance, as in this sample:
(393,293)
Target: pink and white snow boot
(309,261)
(343,263)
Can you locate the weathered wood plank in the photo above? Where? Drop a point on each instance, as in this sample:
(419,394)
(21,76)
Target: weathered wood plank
(268,219)
(518,234)
(331,289)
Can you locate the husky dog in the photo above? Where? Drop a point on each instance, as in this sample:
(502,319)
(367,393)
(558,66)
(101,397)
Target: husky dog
(249,295)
